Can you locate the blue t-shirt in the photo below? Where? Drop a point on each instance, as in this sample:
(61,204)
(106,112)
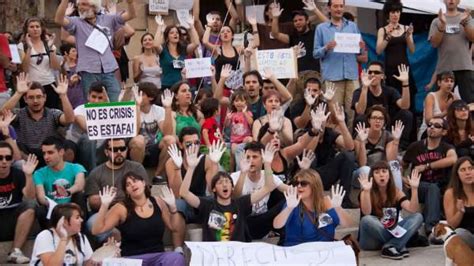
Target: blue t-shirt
(50,179)
(297,232)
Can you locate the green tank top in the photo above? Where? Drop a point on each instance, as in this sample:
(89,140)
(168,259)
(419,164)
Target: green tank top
(186,121)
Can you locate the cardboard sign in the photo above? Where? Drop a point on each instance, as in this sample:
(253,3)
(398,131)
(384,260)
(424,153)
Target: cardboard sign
(181,4)
(183,16)
(111,120)
(258,10)
(282,62)
(121,262)
(347,43)
(198,67)
(159,7)
(15,54)
(259,253)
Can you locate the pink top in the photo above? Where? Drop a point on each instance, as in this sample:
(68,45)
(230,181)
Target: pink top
(240,128)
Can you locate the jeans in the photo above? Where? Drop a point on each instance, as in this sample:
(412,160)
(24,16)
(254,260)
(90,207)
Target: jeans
(100,237)
(466,236)
(109,80)
(430,195)
(373,236)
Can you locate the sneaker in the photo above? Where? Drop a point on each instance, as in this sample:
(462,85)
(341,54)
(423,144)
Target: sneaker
(391,253)
(16,256)
(405,253)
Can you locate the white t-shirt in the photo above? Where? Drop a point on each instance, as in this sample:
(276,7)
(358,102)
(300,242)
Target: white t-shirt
(149,126)
(45,243)
(249,187)
(42,72)
(74,132)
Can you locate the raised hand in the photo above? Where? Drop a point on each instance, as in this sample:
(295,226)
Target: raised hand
(226,71)
(192,156)
(414,180)
(70,9)
(159,21)
(190,21)
(175,155)
(30,165)
(337,195)
(244,163)
(365,79)
(403,76)
(466,16)
(61,230)
(268,153)
(167,98)
(61,89)
(362,132)
(410,30)
(6,118)
(318,118)
(310,99)
(330,91)
(167,196)
(304,162)
(252,18)
(268,73)
(299,50)
(50,39)
(309,5)
(365,182)
(138,95)
(339,113)
(292,197)
(397,130)
(217,149)
(107,195)
(22,83)
(275,120)
(441,17)
(276,11)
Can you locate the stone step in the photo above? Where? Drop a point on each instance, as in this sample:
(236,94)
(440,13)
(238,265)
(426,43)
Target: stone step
(6,246)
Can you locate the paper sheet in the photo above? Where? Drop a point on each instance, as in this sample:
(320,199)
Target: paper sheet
(51,205)
(15,54)
(97,41)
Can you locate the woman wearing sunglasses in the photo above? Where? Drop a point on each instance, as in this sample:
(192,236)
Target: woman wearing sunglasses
(381,226)
(308,215)
(39,59)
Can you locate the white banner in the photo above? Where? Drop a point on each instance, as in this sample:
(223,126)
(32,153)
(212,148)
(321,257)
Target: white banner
(259,253)
(121,262)
(347,43)
(111,120)
(198,67)
(181,4)
(282,62)
(159,6)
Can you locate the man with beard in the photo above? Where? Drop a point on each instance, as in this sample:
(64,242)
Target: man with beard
(59,181)
(35,122)
(433,158)
(110,174)
(93,33)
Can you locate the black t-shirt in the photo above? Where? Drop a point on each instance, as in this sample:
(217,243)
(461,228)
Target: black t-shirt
(297,108)
(326,150)
(225,223)
(418,154)
(388,99)
(307,62)
(198,182)
(11,194)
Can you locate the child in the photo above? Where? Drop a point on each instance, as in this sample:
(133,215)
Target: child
(240,120)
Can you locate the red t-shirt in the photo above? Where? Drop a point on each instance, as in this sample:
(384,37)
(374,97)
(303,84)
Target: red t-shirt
(211,125)
(4,50)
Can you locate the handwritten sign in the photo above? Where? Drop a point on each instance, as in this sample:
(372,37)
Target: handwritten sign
(257,10)
(183,16)
(159,6)
(181,4)
(282,62)
(198,67)
(111,120)
(15,54)
(347,43)
(259,253)
(121,262)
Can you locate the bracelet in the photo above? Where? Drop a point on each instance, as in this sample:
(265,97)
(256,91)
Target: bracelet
(405,86)
(254,32)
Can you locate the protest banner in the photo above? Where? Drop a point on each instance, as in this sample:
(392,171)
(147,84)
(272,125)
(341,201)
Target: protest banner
(181,4)
(111,120)
(121,262)
(347,43)
(198,67)
(260,253)
(282,62)
(158,7)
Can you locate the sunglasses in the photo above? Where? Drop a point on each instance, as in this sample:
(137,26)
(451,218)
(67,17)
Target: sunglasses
(118,149)
(39,60)
(375,72)
(6,158)
(188,144)
(301,183)
(378,118)
(435,125)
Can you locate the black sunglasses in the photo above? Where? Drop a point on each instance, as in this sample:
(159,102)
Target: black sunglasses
(435,125)
(6,157)
(40,59)
(301,183)
(375,72)
(118,149)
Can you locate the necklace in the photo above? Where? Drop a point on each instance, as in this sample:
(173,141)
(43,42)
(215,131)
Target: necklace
(143,205)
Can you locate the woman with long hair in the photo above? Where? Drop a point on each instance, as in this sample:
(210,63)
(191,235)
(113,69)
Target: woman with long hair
(63,243)
(381,203)
(141,220)
(173,50)
(460,129)
(185,112)
(459,200)
(38,57)
(146,66)
(308,215)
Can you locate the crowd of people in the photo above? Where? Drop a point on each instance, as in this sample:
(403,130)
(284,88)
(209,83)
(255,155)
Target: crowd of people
(242,153)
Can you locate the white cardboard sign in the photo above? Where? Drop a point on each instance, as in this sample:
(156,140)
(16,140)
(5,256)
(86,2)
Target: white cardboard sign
(111,120)
(181,4)
(259,253)
(282,62)
(159,6)
(15,54)
(347,43)
(198,67)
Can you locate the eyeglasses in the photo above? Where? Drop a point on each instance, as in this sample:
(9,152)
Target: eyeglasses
(188,144)
(6,158)
(301,183)
(435,125)
(118,149)
(378,118)
(375,72)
